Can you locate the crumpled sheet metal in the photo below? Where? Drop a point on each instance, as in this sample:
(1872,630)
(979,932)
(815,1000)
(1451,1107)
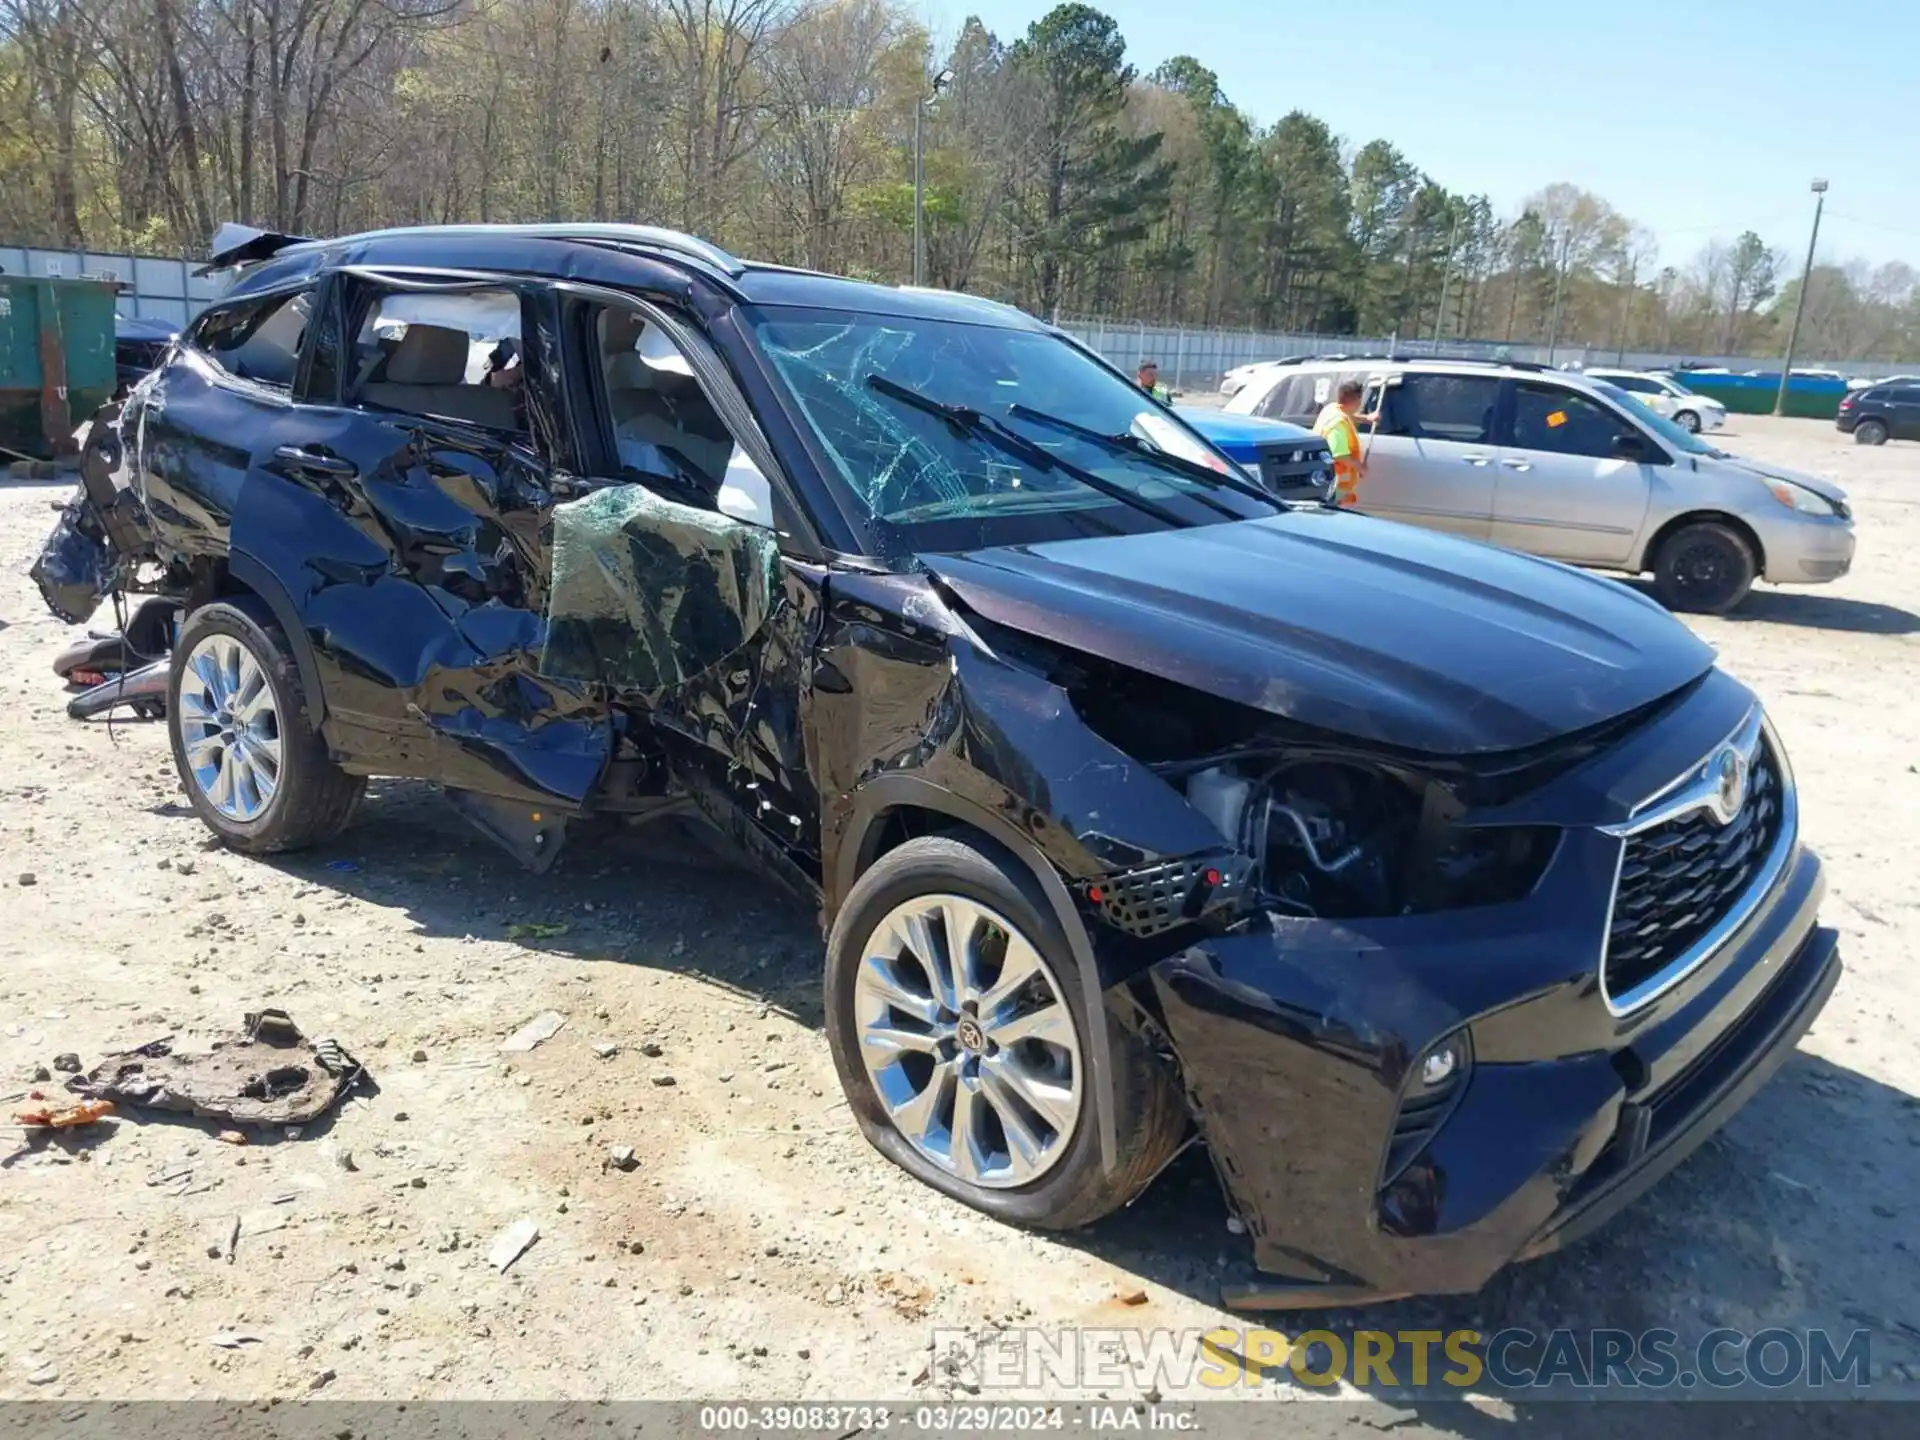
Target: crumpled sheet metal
(270,1075)
(648,594)
(75,567)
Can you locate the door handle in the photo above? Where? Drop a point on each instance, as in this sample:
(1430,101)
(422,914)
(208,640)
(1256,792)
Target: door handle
(1518,464)
(317,462)
(1477,459)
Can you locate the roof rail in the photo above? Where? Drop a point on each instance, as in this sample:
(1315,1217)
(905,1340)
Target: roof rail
(235,244)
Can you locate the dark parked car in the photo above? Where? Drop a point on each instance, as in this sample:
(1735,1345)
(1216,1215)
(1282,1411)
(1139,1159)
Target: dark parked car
(1453,895)
(1289,460)
(1879,413)
(138,346)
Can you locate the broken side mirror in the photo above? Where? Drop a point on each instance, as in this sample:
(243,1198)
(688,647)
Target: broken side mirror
(648,594)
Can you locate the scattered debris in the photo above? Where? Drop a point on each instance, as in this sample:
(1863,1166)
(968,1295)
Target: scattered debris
(511,1243)
(343,867)
(233,1239)
(344,1159)
(232,1137)
(262,1222)
(663,1079)
(419,1057)
(325,1377)
(69,1062)
(27,878)
(53,1115)
(606,1050)
(41,1074)
(541,1028)
(232,1339)
(1236,1226)
(269,1075)
(652,1050)
(621,1157)
(1132,1297)
(538,930)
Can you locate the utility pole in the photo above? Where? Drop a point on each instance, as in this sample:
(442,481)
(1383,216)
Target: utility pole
(1559,280)
(1626,310)
(940,82)
(1800,304)
(1453,235)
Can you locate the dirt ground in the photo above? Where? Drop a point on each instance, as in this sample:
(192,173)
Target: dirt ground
(760,1249)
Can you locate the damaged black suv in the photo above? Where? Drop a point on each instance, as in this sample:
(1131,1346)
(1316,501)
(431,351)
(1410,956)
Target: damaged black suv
(1450,895)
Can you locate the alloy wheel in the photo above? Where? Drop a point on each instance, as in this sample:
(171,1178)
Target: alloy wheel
(967,1040)
(230,727)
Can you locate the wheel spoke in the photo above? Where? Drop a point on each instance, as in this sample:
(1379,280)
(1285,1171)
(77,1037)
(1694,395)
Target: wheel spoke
(1052,1101)
(254,697)
(915,1117)
(893,1040)
(966,1160)
(878,978)
(930,949)
(1021,964)
(221,791)
(1026,1147)
(1050,1024)
(966,927)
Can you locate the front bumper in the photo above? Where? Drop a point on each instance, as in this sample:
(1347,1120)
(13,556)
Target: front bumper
(1297,1040)
(1806,549)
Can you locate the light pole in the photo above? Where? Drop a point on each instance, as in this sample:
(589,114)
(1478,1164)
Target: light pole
(940,82)
(1800,302)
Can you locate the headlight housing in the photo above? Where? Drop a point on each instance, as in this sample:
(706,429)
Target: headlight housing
(1799,497)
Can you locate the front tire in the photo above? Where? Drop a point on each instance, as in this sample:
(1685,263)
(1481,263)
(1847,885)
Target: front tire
(1688,421)
(255,769)
(960,1033)
(1706,568)
(1870,432)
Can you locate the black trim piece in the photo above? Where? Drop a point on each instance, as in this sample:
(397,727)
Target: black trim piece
(264,583)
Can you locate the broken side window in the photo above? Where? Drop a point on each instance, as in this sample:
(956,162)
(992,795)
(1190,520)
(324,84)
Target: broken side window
(449,356)
(257,340)
(647,594)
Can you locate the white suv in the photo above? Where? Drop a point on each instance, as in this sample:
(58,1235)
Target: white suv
(1666,396)
(1570,467)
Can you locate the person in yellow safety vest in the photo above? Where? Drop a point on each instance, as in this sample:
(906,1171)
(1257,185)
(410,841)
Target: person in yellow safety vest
(1337,427)
(1147,377)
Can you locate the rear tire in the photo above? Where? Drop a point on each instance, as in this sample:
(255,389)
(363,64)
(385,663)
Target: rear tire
(915,892)
(255,769)
(1688,421)
(1870,432)
(1706,568)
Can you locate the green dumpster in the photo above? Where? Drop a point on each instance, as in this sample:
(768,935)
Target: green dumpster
(56,360)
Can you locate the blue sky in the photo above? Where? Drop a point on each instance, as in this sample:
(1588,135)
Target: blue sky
(1698,118)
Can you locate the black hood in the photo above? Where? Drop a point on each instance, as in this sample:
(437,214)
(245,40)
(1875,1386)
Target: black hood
(1373,630)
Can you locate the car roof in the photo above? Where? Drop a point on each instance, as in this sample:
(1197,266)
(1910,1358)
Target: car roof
(270,260)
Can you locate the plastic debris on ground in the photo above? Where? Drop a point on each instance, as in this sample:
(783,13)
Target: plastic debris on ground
(64,1115)
(541,1028)
(511,1243)
(270,1074)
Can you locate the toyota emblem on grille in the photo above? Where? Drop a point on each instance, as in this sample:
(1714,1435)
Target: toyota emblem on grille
(1729,772)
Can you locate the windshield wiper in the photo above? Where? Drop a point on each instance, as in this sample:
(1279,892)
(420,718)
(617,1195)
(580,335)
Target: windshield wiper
(1133,445)
(968,421)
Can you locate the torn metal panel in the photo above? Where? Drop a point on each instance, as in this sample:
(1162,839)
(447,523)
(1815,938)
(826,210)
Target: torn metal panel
(75,568)
(648,595)
(270,1074)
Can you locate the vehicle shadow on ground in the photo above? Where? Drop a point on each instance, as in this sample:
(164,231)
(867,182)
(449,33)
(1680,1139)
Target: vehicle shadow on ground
(1821,1170)
(1814,612)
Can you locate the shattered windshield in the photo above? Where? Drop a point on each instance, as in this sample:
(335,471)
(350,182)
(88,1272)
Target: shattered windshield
(952,435)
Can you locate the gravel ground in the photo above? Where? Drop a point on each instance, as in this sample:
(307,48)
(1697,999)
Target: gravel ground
(759,1248)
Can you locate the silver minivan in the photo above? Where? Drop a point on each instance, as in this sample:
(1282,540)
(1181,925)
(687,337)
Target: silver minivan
(1571,468)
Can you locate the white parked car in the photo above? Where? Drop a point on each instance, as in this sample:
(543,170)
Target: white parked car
(1573,468)
(1235,380)
(1668,398)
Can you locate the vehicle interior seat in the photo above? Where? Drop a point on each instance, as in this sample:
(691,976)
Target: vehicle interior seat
(659,406)
(426,375)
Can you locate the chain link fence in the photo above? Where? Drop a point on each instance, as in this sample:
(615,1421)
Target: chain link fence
(1194,360)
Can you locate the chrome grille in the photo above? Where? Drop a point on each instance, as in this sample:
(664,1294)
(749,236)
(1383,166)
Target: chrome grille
(1687,871)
